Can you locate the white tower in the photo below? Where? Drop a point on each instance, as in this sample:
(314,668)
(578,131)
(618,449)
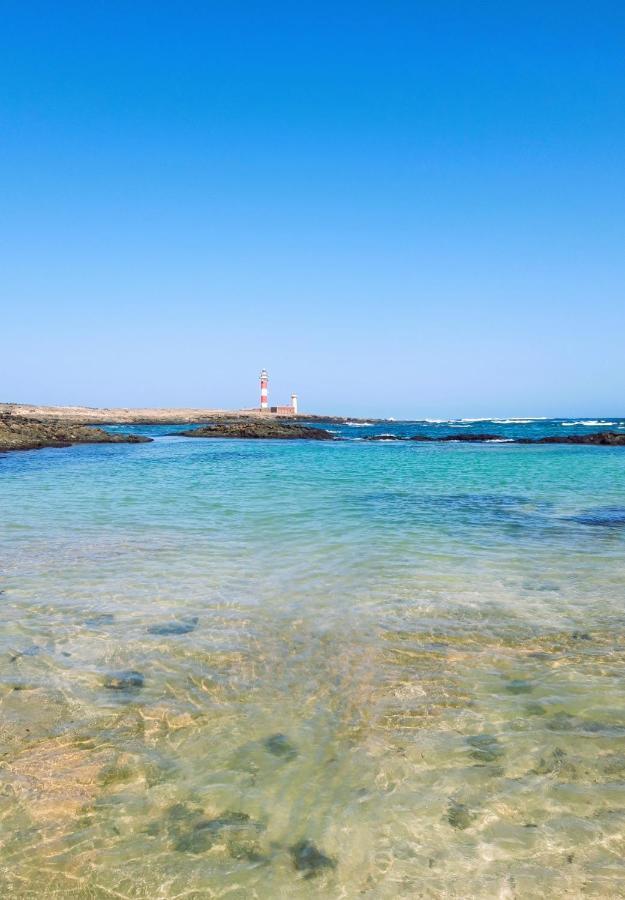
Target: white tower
(264,381)
(294,403)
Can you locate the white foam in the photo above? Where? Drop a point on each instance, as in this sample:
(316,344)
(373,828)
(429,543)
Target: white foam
(358,424)
(590,423)
(513,421)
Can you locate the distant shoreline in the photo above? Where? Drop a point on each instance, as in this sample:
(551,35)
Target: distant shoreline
(169,415)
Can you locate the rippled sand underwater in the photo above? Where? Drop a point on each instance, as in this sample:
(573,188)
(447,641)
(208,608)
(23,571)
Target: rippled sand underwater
(284,670)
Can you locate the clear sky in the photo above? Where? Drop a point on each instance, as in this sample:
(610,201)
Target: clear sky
(399,208)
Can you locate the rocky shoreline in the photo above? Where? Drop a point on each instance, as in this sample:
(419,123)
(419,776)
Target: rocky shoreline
(17,433)
(25,433)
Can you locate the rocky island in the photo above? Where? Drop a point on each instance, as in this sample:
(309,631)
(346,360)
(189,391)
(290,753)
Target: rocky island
(258,428)
(17,433)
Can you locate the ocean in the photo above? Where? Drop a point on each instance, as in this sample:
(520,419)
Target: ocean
(272,669)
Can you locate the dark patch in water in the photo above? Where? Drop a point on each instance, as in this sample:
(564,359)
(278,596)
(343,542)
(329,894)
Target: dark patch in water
(519,686)
(555,763)
(566,722)
(236,829)
(458,815)
(310,860)
(114,774)
(35,650)
(613,764)
(167,628)
(280,745)
(485,747)
(501,511)
(601,517)
(542,586)
(101,619)
(129,680)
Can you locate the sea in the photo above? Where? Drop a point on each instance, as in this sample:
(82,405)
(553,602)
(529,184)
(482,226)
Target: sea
(291,669)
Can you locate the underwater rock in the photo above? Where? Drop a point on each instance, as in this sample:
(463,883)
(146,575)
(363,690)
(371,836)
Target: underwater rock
(459,815)
(613,764)
(556,763)
(535,709)
(309,859)
(100,619)
(519,686)
(280,745)
(235,829)
(602,517)
(129,680)
(184,627)
(485,747)
(34,650)
(563,721)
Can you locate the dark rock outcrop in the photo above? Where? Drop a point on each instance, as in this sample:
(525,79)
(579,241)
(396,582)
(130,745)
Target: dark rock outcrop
(130,680)
(428,438)
(279,745)
(309,860)
(259,428)
(17,433)
(174,628)
(600,438)
(597,438)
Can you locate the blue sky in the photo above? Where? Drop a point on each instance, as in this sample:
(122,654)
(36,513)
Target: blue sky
(405,209)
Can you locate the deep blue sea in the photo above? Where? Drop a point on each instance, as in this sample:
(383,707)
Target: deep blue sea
(275,669)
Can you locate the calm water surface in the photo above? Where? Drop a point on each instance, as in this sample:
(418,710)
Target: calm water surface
(256,669)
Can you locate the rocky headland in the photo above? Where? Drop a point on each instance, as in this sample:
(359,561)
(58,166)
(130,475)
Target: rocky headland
(17,433)
(259,428)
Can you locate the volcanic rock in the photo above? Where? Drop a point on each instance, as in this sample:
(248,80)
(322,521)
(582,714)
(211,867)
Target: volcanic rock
(18,433)
(259,428)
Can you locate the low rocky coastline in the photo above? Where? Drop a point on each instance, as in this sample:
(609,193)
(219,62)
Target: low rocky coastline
(598,438)
(17,433)
(25,433)
(259,428)
(263,428)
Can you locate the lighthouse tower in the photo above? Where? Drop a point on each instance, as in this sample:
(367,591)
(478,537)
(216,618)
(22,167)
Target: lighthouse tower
(264,381)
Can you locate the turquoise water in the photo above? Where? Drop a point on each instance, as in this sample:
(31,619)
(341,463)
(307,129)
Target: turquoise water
(271,669)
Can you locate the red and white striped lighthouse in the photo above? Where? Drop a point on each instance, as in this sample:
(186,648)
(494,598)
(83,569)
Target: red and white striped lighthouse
(264,381)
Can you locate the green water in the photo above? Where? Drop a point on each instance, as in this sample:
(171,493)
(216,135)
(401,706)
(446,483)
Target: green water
(400,671)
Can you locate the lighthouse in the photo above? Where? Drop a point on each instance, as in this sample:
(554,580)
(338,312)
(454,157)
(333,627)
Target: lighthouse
(264,381)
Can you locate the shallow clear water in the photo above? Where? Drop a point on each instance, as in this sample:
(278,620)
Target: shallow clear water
(410,656)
